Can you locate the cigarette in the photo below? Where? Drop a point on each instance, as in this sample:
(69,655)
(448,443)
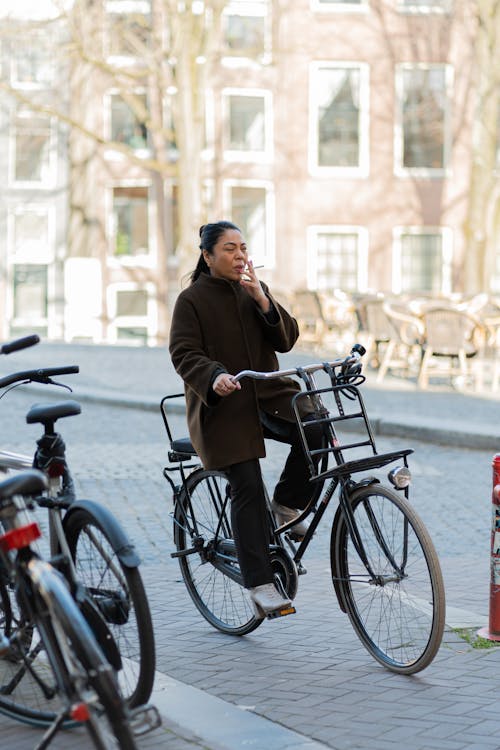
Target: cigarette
(261,266)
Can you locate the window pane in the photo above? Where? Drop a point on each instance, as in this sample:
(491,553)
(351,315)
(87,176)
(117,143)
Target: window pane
(130,208)
(30,292)
(426,4)
(32,142)
(133,302)
(125,125)
(248,207)
(424,108)
(246,123)
(137,335)
(421,263)
(31,232)
(337,261)
(338,117)
(244,35)
(32,61)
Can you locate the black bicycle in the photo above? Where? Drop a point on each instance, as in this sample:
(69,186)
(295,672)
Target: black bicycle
(385,570)
(52,671)
(88,544)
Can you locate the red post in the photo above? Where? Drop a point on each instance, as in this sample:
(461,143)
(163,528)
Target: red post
(492,632)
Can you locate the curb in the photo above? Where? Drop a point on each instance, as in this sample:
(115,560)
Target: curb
(425,430)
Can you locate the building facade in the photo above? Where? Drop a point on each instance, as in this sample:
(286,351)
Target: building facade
(337,135)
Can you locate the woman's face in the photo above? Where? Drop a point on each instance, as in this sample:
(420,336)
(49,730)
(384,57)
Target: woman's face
(229,258)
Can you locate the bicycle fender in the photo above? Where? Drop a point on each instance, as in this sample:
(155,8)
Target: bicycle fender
(335,573)
(119,540)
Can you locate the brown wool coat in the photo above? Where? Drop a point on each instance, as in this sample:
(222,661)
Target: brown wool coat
(216,326)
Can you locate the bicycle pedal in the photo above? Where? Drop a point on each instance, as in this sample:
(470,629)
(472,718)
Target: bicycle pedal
(281,613)
(144,719)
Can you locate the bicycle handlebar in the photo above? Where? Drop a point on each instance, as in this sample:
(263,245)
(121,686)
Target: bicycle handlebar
(38,376)
(17,344)
(354,358)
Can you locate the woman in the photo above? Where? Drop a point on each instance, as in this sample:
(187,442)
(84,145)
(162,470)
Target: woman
(224,322)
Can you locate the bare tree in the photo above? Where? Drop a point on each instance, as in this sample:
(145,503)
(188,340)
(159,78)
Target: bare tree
(157,63)
(482,225)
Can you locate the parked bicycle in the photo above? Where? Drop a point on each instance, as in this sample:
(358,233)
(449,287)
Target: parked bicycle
(384,566)
(52,669)
(90,547)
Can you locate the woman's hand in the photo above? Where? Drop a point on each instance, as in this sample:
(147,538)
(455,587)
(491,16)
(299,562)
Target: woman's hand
(254,288)
(223,385)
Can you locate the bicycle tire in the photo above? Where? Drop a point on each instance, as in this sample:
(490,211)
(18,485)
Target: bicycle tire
(119,594)
(399,619)
(201,526)
(21,696)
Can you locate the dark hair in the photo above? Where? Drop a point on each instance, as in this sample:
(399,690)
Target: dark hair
(209,236)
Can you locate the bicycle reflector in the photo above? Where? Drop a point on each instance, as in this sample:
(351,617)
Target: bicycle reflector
(399,477)
(21,537)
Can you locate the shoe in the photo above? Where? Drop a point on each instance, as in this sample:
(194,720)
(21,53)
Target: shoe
(268,602)
(285,515)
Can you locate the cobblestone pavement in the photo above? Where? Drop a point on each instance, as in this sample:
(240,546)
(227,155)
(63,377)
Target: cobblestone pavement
(309,672)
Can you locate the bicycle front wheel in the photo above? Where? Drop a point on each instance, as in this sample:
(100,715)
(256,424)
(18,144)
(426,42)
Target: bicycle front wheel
(119,594)
(207,554)
(396,601)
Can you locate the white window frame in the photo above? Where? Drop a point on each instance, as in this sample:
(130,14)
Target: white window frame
(148,321)
(363,170)
(31,39)
(258,9)
(262,157)
(318,7)
(270,250)
(46,253)
(399,169)
(49,322)
(48,179)
(312,259)
(447,254)
(144,260)
(123,8)
(429,8)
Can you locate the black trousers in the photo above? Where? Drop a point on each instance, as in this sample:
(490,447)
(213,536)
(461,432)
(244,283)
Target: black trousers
(249,515)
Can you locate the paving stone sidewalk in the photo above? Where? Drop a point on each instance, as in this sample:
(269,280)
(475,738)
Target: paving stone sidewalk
(307,684)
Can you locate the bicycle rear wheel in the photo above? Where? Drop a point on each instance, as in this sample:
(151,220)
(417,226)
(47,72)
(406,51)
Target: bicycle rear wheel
(119,593)
(27,696)
(399,611)
(207,554)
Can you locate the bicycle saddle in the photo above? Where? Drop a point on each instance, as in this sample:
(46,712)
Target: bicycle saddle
(49,413)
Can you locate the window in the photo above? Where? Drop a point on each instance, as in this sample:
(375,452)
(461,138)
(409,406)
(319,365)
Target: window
(425,6)
(132,302)
(423,137)
(247,131)
(422,260)
(126,125)
(131,226)
(245,28)
(249,207)
(30,235)
(132,312)
(32,141)
(339,5)
(32,63)
(30,293)
(337,258)
(339,112)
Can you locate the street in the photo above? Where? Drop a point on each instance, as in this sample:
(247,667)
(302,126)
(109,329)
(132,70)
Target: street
(308,671)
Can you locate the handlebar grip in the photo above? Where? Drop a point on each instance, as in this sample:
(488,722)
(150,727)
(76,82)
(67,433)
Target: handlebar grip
(17,344)
(65,370)
(358,349)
